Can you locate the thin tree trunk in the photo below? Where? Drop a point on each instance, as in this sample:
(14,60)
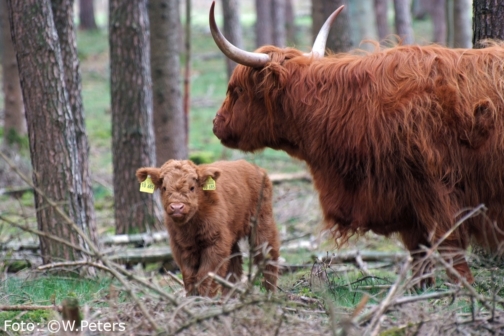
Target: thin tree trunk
(290,26)
(187,71)
(86,15)
(438,14)
(264,23)
(450,25)
(403,21)
(363,23)
(278,22)
(169,127)
(14,119)
(488,21)
(63,19)
(132,134)
(232,28)
(381,10)
(339,39)
(51,127)
(462,24)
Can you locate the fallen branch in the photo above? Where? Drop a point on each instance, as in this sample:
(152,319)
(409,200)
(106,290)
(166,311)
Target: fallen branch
(29,308)
(279,178)
(142,255)
(95,250)
(142,239)
(365,256)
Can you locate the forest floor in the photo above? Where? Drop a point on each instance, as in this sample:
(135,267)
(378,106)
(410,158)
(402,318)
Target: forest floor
(365,287)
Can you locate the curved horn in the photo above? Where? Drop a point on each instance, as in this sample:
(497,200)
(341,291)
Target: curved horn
(318,48)
(255,60)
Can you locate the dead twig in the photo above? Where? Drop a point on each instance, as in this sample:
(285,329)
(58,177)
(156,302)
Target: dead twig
(29,308)
(89,243)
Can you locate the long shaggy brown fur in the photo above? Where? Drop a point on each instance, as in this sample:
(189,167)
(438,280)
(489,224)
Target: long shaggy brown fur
(399,140)
(205,225)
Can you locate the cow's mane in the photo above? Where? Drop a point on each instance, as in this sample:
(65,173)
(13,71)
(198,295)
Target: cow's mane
(425,108)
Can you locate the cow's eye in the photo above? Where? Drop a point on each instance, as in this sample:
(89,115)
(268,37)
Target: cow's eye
(164,188)
(192,189)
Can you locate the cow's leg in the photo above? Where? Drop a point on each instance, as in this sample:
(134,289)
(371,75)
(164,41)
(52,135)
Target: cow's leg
(422,267)
(453,252)
(269,247)
(189,277)
(235,269)
(213,259)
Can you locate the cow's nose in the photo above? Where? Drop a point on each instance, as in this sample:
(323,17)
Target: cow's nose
(177,206)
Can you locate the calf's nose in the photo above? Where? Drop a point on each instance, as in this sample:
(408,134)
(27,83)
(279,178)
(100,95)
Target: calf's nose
(177,206)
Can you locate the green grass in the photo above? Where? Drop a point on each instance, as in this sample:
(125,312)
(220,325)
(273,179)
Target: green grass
(46,291)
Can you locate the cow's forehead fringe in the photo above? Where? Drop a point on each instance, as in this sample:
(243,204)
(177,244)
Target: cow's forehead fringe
(178,167)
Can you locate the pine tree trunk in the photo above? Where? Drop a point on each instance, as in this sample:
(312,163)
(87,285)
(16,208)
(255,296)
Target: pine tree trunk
(51,127)
(278,22)
(339,39)
(381,10)
(438,14)
(14,118)
(86,15)
(290,26)
(132,133)
(488,21)
(462,24)
(403,21)
(169,126)
(363,23)
(63,19)
(264,23)
(232,28)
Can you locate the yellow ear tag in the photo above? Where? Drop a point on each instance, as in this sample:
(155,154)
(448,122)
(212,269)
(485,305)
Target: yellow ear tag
(147,186)
(209,184)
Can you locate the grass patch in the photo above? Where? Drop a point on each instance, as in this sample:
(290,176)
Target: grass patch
(46,290)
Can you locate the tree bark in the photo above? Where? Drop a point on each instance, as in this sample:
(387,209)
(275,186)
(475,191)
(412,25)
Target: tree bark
(63,19)
(14,118)
(381,10)
(169,128)
(488,21)
(403,21)
(132,134)
(339,39)
(363,23)
(51,127)
(278,22)
(232,28)
(438,14)
(86,15)
(264,23)
(462,24)
(290,26)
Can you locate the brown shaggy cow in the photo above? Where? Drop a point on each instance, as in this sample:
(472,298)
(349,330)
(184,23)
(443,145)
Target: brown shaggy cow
(205,225)
(400,140)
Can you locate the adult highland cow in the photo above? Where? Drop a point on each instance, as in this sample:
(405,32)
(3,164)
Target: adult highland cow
(206,221)
(400,140)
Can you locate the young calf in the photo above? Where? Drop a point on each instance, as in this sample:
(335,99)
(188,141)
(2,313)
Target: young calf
(208,209)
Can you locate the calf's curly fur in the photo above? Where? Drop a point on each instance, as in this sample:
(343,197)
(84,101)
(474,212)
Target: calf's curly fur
(205,225)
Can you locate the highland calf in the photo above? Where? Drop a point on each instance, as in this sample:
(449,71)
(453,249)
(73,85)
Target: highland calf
(401,140)
(208,209)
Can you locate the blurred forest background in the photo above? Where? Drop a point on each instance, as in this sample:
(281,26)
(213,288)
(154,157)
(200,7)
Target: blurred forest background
(153,93)
(100,88)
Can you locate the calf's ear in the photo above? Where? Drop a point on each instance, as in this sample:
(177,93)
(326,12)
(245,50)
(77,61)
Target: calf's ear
(154,173)
(205,172)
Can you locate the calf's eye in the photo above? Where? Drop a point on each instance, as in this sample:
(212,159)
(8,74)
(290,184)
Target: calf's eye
(192,189)
(164,188)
